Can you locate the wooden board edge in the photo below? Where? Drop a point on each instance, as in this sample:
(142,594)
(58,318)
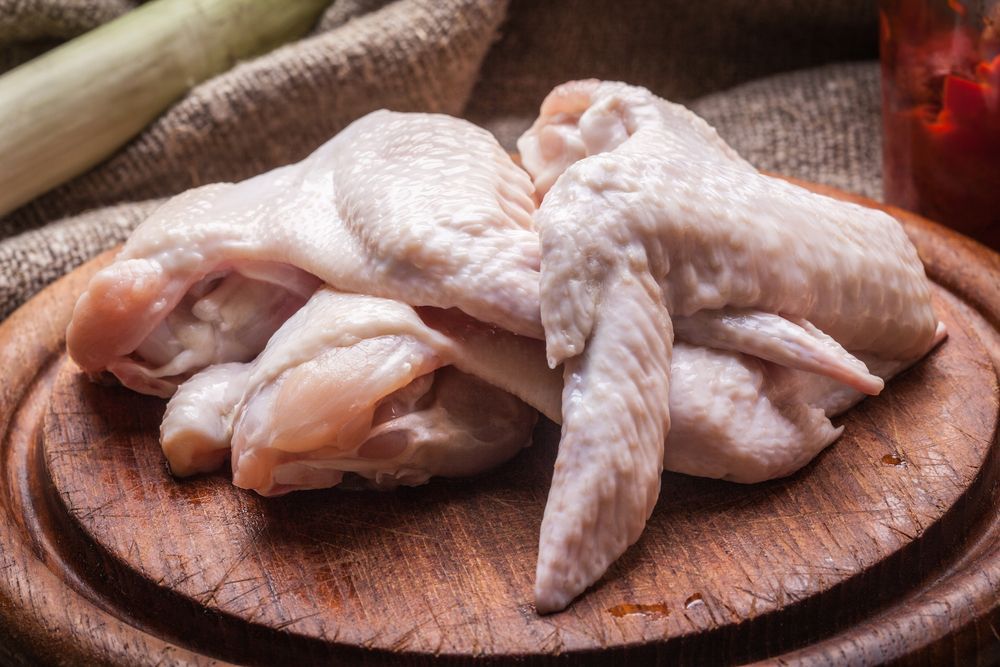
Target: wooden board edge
(44,619)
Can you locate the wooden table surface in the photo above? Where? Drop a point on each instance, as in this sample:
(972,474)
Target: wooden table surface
(884,548)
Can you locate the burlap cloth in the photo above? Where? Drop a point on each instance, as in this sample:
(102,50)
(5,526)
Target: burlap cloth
(491,61)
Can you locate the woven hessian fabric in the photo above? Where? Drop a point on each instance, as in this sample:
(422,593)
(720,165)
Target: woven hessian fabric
(486,59)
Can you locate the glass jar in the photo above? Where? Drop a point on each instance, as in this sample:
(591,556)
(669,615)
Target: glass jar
(941,111)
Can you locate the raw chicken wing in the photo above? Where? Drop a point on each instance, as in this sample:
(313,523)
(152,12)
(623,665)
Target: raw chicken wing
(423,208)
(361,384)
(648,215)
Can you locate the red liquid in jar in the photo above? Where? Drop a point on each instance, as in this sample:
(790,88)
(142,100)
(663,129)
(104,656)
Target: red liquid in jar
(941,112)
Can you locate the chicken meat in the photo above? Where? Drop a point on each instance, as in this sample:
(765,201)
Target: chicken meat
(364,385)
(391,305)
(648,215)
(422,208)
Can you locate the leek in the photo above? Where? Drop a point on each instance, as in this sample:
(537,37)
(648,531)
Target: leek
(70,108)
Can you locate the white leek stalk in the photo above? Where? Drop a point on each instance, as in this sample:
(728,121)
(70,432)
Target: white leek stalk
(70,108)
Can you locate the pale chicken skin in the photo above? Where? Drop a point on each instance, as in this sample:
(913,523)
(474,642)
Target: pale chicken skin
(361,384)
(423,208)
(708,319)
(648,214)
(357,384)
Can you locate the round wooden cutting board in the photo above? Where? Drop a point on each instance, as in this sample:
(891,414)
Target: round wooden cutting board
(884,548)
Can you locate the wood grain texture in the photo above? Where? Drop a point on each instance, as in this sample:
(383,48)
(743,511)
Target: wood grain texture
(885,548)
